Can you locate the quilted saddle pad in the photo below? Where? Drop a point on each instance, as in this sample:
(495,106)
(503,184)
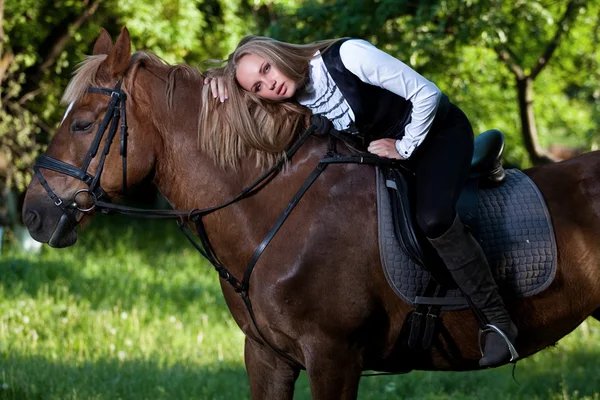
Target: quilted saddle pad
(515,232)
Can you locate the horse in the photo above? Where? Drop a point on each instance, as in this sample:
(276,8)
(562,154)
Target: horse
(320,300)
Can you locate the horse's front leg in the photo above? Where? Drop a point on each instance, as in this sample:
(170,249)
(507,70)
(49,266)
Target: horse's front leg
(334,372)
(270,376)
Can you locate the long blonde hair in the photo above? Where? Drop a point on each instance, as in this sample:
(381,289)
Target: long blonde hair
(245,124)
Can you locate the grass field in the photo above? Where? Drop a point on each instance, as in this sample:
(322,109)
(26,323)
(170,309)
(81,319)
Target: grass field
(133,312)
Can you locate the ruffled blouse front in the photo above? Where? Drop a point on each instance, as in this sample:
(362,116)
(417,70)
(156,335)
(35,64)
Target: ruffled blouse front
(323,97)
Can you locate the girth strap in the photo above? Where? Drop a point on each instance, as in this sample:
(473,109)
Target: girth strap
(417,317)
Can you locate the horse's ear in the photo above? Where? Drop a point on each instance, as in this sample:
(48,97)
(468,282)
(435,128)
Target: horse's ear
(103,44)
(118,58)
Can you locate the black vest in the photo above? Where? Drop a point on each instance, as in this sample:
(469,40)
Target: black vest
(378,112)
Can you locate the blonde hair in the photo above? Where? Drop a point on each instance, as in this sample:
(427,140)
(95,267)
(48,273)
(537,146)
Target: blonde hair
(247,120)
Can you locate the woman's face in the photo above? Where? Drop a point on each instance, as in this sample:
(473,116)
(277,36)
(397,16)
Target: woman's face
(257,75)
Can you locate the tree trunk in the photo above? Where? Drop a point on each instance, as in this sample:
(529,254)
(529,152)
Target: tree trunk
(2,39)
(537,153)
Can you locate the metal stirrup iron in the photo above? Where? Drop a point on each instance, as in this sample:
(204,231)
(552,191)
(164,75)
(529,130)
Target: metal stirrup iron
(489,328)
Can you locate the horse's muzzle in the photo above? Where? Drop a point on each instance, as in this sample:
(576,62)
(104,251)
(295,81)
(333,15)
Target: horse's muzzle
(49,224)
(64,233)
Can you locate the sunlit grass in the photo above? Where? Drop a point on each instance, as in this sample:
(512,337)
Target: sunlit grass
(133,312)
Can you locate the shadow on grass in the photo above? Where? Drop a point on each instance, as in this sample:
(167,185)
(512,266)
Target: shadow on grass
(29,378)
(137,234)
(111,240)
(555,373)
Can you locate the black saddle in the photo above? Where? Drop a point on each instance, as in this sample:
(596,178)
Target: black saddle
(486,171)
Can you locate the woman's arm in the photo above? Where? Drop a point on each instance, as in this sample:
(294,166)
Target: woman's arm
(378,68)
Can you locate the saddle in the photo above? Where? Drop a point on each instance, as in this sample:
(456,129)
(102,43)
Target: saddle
(486,171)
(505,212)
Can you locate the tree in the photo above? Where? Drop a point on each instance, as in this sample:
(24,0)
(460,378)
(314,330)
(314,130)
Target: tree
(525,80)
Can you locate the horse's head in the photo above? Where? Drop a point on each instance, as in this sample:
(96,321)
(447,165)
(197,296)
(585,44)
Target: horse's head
(83,161)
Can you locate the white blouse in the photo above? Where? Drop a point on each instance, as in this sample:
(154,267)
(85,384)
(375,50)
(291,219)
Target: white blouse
(376,68)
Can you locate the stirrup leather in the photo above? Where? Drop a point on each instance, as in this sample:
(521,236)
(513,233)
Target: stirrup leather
(489,328)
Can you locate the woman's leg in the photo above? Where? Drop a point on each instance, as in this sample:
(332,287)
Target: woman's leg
(441,169)
(441,165)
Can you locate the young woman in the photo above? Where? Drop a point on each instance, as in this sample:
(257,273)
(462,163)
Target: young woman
(364,90)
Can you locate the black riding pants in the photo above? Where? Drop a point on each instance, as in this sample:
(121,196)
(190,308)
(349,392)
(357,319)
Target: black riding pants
(441,165)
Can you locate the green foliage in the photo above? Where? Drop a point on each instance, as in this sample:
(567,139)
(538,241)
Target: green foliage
(454,43)
(190,31)
(177,30)
(143,317)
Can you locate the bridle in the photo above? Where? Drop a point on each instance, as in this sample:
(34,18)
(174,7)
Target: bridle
(115,111)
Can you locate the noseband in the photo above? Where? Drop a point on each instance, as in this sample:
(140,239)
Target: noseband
(114,112)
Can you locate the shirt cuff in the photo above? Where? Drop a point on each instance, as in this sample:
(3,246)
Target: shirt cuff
(404,149)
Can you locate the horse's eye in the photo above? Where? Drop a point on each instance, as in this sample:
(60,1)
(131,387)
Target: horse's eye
(81,126)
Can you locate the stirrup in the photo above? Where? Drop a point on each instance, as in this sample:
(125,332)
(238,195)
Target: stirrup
(489,328)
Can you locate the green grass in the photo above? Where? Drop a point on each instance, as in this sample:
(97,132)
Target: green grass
(133,312)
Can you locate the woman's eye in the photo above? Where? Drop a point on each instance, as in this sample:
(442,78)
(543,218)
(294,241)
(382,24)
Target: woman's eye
(258,87)
(267,67)
(81,126)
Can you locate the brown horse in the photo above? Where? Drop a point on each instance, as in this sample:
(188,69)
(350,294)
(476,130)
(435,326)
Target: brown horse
(319,294)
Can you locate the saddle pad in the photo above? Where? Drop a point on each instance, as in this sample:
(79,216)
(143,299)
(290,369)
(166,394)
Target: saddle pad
(514,230)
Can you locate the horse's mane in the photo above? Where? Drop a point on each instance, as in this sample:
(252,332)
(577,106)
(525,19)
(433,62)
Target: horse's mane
(86,74)
(227,147)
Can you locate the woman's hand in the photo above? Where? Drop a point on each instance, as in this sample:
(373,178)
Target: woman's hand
(385,148)
(217,87)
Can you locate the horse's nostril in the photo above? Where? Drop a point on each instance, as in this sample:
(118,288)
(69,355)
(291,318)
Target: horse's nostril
(32,220)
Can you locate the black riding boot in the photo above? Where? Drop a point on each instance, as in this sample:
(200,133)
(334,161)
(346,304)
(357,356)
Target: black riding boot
(467,264)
